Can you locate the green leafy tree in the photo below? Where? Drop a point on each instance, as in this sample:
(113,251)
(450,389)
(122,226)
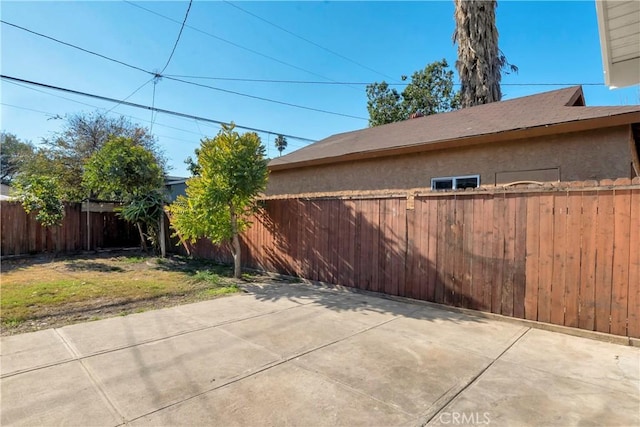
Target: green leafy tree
(430,91)
(192,165)
(281,143)
(64,156)
(146,209)
(13,154)
(221,199)
(45,163)
(480,61)
(384,104)
(41,195)
(124,171)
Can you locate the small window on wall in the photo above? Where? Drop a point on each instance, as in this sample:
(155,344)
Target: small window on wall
(455,182)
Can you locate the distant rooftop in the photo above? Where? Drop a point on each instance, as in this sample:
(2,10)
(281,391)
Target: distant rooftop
(168,180)
(556,111)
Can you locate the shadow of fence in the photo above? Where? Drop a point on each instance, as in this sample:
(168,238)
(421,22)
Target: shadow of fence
(567,256)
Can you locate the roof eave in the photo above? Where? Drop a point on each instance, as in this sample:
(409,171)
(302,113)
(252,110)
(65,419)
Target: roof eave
(605,48)
(618,72)
(509,135)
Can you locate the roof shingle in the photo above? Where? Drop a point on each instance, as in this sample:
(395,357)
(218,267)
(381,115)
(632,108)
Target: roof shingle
(545,109)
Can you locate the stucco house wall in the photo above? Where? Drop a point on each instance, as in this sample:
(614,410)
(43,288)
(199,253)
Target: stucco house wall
(594,154)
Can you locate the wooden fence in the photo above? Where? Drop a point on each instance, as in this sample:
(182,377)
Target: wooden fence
(21,234)
(567,256)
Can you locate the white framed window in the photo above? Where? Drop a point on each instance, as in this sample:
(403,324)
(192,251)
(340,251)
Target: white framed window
(455,182)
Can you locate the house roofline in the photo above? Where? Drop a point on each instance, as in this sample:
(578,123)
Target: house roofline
(176,181)
(508,135)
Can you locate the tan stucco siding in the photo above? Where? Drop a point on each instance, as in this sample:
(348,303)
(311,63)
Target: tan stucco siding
(579,156)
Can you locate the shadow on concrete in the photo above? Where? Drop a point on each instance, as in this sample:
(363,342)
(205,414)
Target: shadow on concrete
(341,299)
(373,245)
(460,250)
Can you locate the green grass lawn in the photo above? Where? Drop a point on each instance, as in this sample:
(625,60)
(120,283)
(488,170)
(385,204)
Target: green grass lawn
(63,289)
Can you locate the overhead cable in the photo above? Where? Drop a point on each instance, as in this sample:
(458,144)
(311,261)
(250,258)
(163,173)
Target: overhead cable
(57,116)
(326,49)
(315,82)
(92,106)
(156,75)
(239,46)
(175,45)
(77,47)
(266,99)
(146,107)
(131,94)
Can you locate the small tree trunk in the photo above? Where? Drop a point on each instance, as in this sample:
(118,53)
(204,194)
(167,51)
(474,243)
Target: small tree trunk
(161,236)
(143,241)
(237,262)
(235,244)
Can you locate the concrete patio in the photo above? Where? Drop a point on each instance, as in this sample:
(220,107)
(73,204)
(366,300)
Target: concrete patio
(295,354)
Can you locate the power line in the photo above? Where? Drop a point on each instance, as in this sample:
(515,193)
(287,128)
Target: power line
(199,134)
(239,46)
(99,108)
(56,96)
(153,102)
(57,116)
(319,110)
(156,78)
(184,21)
(546,84)
(306,40)
(51,115)
(76,47)
(146,107)
(156,75)
(315,82)
(131,94)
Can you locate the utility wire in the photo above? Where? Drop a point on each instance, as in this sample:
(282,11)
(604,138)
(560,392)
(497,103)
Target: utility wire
(330,82)
(239,46)
(184,21)
(96,107)
(315,82)
(131,94)
(146,107)
(200,134)
(57,116)
(156,79)
(56,96)
(51,115)
(76,47)
(307,40)
(266,99)
(156,75)
(153,102)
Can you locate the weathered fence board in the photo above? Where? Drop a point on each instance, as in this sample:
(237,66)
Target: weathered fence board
(564,256)
(21,234)
(633,310)
(568,256)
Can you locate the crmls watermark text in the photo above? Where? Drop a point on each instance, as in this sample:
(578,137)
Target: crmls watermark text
(464,418)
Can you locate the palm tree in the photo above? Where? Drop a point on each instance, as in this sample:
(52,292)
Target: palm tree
(281,143)
(480,61)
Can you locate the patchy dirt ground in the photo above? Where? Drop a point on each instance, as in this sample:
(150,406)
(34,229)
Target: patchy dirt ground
(44,292)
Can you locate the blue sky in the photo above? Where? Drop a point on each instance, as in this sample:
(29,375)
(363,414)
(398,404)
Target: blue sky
(550,42)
